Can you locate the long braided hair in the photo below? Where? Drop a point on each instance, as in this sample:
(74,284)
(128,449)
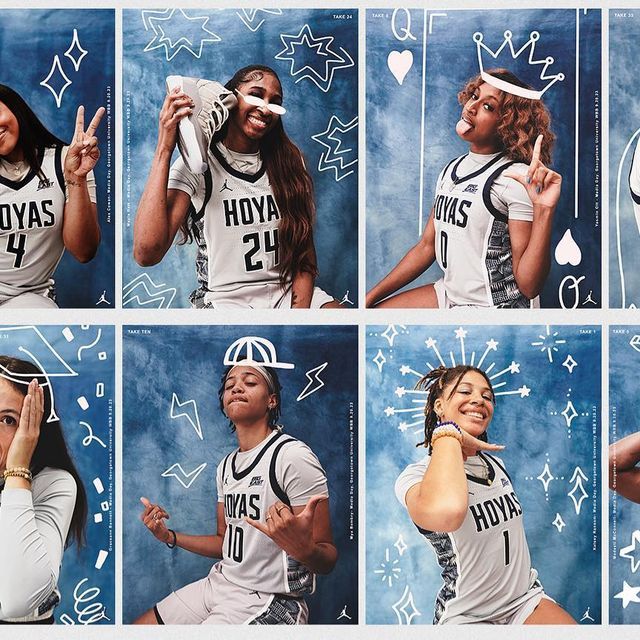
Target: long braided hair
(435,382)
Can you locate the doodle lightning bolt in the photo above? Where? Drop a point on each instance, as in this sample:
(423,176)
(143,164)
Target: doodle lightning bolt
(313,376)
(191,416)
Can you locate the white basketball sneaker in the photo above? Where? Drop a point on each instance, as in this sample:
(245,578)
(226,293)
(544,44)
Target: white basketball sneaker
(212,104)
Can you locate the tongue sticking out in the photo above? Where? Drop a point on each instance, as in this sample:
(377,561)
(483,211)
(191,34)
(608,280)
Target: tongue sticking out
(462,127)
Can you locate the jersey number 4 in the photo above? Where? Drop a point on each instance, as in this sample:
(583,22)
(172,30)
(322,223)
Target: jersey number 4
(270,244)
(17,245)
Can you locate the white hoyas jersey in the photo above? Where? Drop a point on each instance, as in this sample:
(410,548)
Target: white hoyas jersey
(237,224)
(249,557)
(472,238)
(485,563)
(31,217)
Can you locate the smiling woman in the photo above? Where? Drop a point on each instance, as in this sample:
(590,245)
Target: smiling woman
(461,499)
(491,221)
(47,201)
(252,211)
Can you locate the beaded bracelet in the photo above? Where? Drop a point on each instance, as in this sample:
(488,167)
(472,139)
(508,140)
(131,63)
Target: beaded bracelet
(173,544)
(18,472)
(443,429)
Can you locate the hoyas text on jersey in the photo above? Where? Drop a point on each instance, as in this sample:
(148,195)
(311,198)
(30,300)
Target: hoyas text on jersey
(250,211)
(495,511)
(451,209)
(241,505)
(26,215)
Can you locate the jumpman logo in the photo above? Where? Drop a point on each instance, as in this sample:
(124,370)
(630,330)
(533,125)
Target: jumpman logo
(225,187)
(103,299)
(344,614)
(589,299)
(345,299)
(586,616)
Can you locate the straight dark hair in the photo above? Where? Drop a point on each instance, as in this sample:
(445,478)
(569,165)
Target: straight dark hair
(292,189)
(33,136)
(51,450)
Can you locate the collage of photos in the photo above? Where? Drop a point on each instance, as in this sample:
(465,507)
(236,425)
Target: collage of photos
(409,455)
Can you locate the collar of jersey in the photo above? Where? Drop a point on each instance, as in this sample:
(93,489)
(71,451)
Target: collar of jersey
(18,184)
(458,179)
(238,475)
(247,177)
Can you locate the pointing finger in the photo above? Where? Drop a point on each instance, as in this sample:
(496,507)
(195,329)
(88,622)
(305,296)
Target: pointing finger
(537,148)
(79,131)
(93,125)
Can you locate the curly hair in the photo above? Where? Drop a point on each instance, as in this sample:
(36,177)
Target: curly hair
(435,382)
(292,189)
(274,412)
(522,120)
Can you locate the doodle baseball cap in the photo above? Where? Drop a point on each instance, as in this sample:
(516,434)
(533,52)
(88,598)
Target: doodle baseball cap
(254,351)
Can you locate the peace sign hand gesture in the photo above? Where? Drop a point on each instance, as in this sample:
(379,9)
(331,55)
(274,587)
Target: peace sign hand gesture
(293,533)
(543,185)
(83,152)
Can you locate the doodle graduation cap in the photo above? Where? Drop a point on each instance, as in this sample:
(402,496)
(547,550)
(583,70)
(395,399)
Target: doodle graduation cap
(527,67)
(252,350)
(31,345)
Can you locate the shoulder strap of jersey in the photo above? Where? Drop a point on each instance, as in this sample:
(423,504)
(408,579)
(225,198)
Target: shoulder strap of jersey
(273,480)
(59,170)
(224,464)
(490,459)
(195,216)
(486,192)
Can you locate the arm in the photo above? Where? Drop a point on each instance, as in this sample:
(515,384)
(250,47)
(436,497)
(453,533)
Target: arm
(624,475)
(302,286)
(531,241)
(161,211)
(33,532)
(415,262)
(210,546)
(80,228)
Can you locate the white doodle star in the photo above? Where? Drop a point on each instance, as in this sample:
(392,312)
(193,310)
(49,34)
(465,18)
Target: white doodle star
(492,344)
(250,16)
(400,391)
(570,363)
(402,427)
(460,333)
(559,523)
(389,411)
(514,367)
(630,552)
(335,157)
(59,79)
(405,369)
(430,342)
(524,391)
(294,45)
(379,360)
(546,477)
(390,334)
(628,594)
(569,413)
(400,545)
(405,608)
(161,21)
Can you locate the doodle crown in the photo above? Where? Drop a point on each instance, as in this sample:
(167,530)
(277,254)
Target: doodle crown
(252,350)
(530,45)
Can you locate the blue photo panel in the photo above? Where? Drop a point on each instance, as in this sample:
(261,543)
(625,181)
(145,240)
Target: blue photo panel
(624,159)
(546,381)
(417,62)
(58,60)
(175,436)
(624,455)
(315,54)
(78,362)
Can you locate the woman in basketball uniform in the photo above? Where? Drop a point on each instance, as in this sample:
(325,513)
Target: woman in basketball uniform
(251,213)
(273,529)
(47,201)
(491,221)
(461,499)
(43,505)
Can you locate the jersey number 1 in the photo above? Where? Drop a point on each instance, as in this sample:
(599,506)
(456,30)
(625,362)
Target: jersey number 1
(16,244)
(270,245)
(507,559)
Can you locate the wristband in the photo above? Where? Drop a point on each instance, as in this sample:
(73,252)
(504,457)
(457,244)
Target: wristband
(446,429)
(172,545)
(18,472)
